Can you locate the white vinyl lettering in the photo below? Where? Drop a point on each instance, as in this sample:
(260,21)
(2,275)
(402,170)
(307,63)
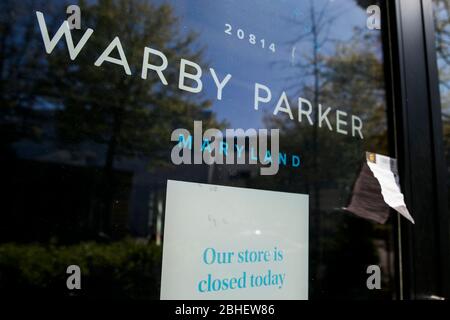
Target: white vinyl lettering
(105,56)
(63,29)
(159,69)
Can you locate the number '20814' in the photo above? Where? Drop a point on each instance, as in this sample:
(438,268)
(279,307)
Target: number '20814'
(240,34)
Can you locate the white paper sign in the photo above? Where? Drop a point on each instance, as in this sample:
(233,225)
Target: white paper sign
(234,243)
(385,170)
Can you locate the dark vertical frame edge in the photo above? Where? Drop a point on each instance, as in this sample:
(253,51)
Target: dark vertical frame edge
(404,248)
(440,171)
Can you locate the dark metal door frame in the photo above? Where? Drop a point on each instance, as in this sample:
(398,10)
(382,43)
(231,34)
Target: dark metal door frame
(425,247)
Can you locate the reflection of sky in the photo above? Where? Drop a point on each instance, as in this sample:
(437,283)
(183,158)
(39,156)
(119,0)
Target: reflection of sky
(249,63)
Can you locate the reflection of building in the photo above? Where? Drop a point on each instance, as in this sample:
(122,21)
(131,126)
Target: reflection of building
(47,200)
(55,192)
(137,202)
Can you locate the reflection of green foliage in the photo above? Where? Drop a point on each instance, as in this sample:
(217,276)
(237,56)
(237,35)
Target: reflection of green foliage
(126,269)
(128,116)
(355,78)
(442,26)
(132,117)
(353,82)
(21,62)
(350,79)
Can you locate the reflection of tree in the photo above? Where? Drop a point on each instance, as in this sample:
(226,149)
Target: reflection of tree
(352,77)
(125,116)
(355,79)
(331,72)
(21,58)
(442,22)
(442,26)
(314,41)
(315,38)
(347,76)
(129,115)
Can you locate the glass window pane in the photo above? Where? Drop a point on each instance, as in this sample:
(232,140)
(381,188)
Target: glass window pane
(86,139)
